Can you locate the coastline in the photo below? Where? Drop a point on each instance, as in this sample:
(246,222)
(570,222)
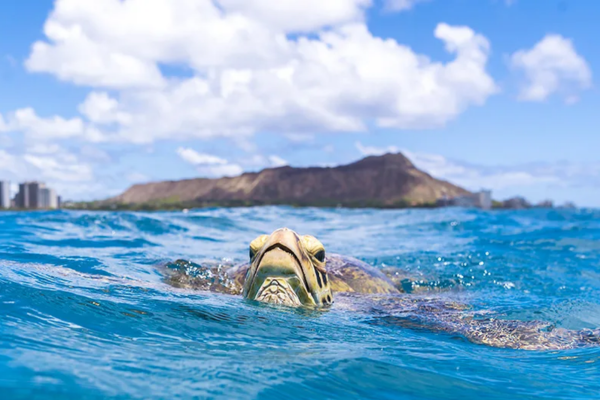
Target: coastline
(175,206)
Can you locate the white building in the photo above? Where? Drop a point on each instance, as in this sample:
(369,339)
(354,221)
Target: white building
(4,194)
(484,199)
(481,199)
(47,198)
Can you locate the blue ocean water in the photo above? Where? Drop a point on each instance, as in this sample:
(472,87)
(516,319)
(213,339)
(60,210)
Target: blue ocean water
(85,313)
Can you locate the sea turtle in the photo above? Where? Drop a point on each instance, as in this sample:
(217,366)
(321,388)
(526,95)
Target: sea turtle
(292,270)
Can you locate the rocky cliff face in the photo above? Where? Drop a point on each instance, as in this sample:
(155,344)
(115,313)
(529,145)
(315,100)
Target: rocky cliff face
(385,181)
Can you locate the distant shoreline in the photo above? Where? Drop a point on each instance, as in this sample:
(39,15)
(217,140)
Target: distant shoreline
(389,181)
(99,206)
(151,208)
(94,206)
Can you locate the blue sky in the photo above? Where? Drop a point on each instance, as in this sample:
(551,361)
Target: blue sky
(100,94)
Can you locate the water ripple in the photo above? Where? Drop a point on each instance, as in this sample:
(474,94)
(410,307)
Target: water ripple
(85,313)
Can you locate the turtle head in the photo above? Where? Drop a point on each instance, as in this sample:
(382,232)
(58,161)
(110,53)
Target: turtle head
(287,269)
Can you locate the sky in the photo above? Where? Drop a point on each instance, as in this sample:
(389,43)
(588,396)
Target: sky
(497,94)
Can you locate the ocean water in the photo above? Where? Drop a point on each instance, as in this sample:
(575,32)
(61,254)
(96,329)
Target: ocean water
(85,313)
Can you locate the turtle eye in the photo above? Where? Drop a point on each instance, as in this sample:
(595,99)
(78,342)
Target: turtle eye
(320,255)
(257,244)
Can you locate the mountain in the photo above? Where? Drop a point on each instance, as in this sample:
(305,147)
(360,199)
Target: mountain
(390,180)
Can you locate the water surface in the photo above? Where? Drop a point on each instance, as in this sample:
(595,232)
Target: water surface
(85,313)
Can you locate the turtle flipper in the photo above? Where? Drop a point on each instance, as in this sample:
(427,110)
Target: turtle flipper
(528,335)
(436,315)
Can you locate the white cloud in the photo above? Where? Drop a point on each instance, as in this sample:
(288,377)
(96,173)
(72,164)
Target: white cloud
(86,63)
(107,43)
(552,65)
(298,16)
(277,161)
(363,77)
(374,150)
(249,75)
(100,108)
(11,165)
(27,121)
(35,128)
(195,158)
(255,160)
(62,167)
(59,168)
(401,5)
(209,165)
(218,171)
(88,44)
(259,161)
(503,177)
(335,83)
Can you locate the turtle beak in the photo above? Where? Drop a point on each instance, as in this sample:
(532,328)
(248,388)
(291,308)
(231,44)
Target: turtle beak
(276,274)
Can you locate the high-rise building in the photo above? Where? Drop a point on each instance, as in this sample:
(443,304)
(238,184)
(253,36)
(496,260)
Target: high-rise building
(53,199)
(484,199)
(34,194)
(47,198)
(22,199)
(31,193)
(4,194)
(481,199)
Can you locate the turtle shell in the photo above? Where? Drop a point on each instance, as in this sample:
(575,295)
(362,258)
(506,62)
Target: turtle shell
(347,274)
